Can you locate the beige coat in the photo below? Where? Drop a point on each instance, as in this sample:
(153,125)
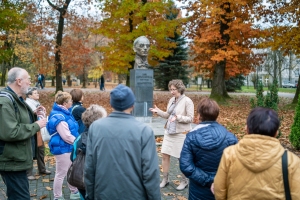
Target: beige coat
(184,112)
(252,169)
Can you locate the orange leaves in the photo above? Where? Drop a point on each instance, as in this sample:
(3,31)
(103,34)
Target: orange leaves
(222,35)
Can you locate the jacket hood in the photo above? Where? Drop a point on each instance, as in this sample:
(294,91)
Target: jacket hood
(258,152)
(210,135)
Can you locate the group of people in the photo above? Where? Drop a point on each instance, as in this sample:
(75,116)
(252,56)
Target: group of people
(121,161)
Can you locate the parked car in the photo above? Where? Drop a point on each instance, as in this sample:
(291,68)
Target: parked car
(288,85)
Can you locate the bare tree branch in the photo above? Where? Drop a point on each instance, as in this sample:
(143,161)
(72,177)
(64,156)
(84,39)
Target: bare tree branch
(53,6)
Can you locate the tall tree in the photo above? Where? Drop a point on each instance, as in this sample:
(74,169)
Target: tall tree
(283,34)
(124,21)
(12,19)
(222,34)
(172,67)
(58,64)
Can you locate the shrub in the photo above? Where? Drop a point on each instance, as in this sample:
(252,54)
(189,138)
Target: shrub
(270,100)
(295,130)
(235,83)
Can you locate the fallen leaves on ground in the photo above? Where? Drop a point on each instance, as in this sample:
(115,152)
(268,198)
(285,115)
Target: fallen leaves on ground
(176,182)
(43,197)
(48,188)
(169,194)
(181,198)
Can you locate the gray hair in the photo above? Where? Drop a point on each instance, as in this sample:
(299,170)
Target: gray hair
(30,91)
(139,38)
(178,84)
(13,74)
(93,113)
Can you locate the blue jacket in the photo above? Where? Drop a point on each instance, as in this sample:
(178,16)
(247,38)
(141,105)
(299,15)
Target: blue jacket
(56,144)
(201,154)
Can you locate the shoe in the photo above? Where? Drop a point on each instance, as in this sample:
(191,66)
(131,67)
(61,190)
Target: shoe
(31,178)
(47,172)
(75,196)
(183,184)
(59,198)
(165,180)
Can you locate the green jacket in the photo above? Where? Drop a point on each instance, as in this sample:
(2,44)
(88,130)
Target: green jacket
(16,131)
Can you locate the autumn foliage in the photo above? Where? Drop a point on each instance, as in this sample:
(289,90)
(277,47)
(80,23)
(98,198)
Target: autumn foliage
(222,32)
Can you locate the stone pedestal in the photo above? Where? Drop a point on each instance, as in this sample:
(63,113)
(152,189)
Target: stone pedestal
(141,83)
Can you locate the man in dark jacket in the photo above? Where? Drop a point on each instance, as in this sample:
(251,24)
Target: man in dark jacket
(18,124)
(121,160)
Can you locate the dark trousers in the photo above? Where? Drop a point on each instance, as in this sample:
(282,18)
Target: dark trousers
(40,161)
(41,84)
(82,192)
(17,185)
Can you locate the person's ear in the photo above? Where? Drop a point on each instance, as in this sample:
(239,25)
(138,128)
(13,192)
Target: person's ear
(277,132)
(246,129)
(199,118)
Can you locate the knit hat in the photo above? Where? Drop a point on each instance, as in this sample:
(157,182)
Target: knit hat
(121,98)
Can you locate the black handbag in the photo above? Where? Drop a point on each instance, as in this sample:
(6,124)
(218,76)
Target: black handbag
(285,173)
(75,175)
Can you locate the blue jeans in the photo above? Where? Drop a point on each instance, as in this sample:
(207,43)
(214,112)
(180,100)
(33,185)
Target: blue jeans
(17,185)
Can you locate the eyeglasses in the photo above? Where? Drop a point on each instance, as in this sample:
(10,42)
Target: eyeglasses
(172,90)
(28,78)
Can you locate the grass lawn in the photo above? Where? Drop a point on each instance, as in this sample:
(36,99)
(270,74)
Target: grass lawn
(245,89)
(251,89)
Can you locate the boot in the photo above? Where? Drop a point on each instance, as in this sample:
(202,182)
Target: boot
(165,180)
(183,183)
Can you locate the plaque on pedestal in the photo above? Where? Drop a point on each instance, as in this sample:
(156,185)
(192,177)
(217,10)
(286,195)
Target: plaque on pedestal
(141,83)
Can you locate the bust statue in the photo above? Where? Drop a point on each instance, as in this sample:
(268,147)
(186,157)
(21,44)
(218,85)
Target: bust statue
(141,46)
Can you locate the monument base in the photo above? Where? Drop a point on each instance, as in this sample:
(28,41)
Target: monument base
(144,119)
(141,83)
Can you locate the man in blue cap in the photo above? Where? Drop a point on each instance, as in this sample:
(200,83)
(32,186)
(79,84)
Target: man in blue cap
(121,159)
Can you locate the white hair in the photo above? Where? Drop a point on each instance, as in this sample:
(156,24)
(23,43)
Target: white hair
(13,74)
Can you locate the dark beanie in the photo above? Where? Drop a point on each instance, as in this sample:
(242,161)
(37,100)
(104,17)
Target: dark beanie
(121,98)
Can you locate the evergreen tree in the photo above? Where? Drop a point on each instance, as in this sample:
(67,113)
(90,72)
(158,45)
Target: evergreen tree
(235,83)
(172,67)
(295,130)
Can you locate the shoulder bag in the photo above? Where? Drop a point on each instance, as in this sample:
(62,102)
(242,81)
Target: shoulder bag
(285,173)
(75,175)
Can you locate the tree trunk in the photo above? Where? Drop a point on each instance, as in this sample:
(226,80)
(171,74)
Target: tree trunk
(290,66)
(132,62)
(52,81)
(69,81)
(275,65)
(58,72)
(58,64)
(280,60)
(84,77)
(295,100)
(4,69)
(218,91)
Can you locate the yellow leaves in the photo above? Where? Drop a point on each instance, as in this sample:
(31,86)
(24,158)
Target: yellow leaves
(48,188)
(45,180)
(43,197)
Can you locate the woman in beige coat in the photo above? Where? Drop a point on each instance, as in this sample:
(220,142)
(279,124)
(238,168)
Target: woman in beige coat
(252,169)
(180,115)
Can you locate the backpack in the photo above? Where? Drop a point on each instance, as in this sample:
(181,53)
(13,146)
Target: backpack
(8,95)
